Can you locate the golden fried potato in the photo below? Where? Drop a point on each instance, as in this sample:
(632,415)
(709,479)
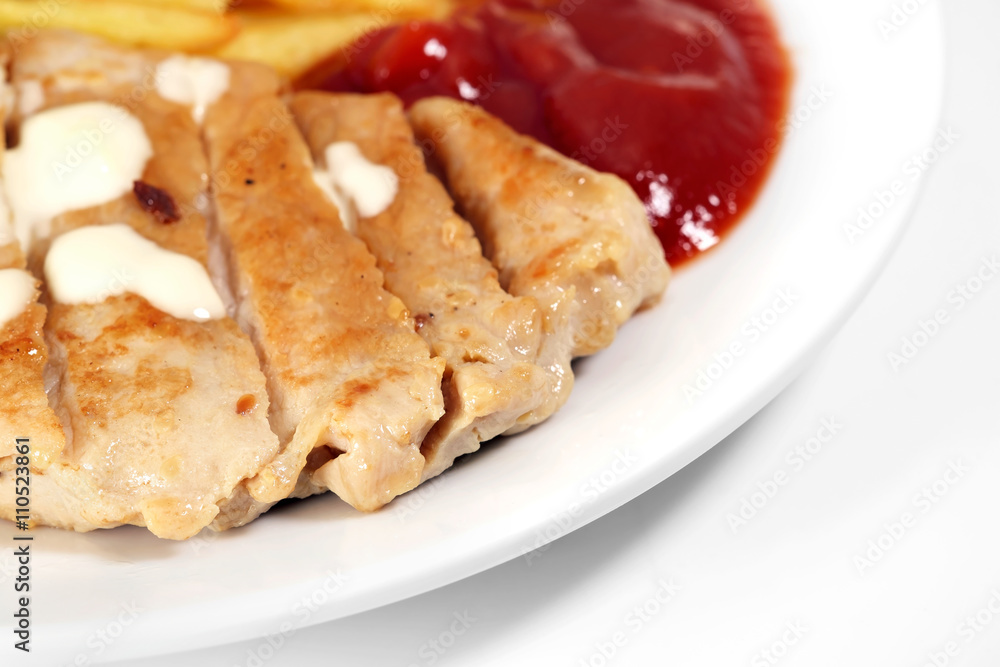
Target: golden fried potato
(292,43)
(134,23)
(214,6)
(402,8)
(217,6)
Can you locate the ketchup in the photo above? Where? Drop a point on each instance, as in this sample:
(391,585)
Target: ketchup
(681,98)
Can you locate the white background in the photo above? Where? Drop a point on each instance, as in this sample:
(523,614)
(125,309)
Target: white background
(803,561)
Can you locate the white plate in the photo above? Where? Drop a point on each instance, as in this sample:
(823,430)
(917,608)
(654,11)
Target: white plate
(628,426)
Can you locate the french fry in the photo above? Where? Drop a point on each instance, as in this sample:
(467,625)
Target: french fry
(213,6)
(292,43)
(406,8)
(138,24)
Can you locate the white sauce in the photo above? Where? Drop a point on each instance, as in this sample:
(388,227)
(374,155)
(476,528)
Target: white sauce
(196,82)
(30,97)
(347,216)
(371,188)
(71,158)
(6,228)
(6,93)
(91,264)
(6,102)
(17,291)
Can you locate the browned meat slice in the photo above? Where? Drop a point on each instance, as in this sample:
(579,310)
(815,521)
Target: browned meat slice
(355,389)
(24,407)
(432,261)
(57,68)
(62,63)
(167,417)
(575,239)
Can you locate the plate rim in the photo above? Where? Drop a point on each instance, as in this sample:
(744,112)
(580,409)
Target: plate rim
(483,556)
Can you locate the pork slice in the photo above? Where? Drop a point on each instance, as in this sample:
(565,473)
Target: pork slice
(575,239)
(354,389)
(25,413)
(166,417)
(432,260)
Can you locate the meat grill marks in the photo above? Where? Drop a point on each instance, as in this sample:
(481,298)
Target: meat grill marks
(575,239)
(432,261)
(355,389)
(149,400)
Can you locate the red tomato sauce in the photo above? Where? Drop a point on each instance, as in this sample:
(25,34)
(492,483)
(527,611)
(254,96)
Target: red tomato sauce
(684,99)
